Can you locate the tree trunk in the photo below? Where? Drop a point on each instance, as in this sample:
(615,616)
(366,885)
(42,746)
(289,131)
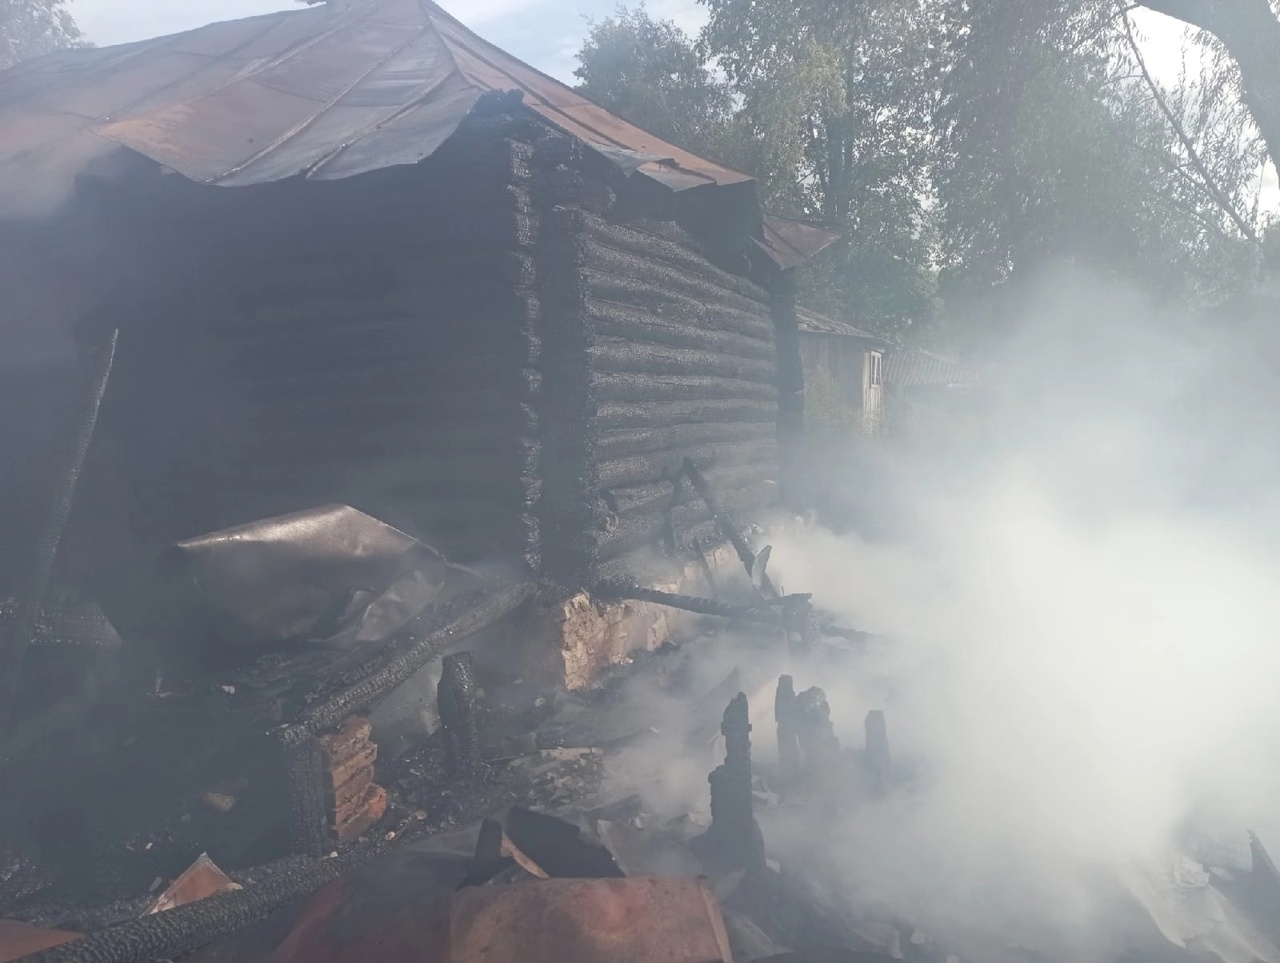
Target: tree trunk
(1251,33)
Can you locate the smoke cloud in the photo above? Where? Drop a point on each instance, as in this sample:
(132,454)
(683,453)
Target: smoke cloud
(1081,602)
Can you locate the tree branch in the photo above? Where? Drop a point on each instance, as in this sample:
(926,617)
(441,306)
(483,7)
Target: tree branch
(1211,185)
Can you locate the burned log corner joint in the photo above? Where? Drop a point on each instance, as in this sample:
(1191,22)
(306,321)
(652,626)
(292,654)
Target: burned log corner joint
(734,840)
(784,713)
(456,696)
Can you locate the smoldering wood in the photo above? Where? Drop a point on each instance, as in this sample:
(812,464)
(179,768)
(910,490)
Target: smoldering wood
(627,276)
(876,756)
(666,244)
(423,641)
(185,929)
(631,387)
(727,526)
(618,354)
(734,840)
(823,757)
(456,696)
(646,441)
(14,644)
(624,321)
(617,415)
(304,772)
(784,714)
(642,469)
(633,531)
(651,497)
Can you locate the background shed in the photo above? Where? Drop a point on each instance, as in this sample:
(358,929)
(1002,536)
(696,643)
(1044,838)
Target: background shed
(843,370)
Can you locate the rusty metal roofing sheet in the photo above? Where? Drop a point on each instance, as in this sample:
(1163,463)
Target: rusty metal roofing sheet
(790,243)
(328,91)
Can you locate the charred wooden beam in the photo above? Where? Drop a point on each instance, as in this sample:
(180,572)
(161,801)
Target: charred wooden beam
(456,697)
(423,641)
(734,840)
(878,761)
(630,470)
(646,441)
(727,527)
(13,648)
(785,714)
(614,415)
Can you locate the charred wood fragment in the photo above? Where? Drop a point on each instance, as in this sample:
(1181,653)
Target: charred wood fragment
(15,641)
(456,696)
(785,714)
(823,758)
(734,840)
(727,527)
(877,759)
(639,469)
(426,637)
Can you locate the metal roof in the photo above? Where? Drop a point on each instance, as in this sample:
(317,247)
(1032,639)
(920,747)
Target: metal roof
(813,323)
(325,92)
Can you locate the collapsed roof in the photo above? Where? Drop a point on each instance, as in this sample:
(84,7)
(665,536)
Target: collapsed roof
(325,92)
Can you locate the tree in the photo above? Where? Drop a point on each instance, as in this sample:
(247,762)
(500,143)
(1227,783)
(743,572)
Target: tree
(650,73)
(1057,145)
(29,28)
(837,102)
(1249,30)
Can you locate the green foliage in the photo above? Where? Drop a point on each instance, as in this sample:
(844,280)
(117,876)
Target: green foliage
(959,147)
(650,72)
(29,28)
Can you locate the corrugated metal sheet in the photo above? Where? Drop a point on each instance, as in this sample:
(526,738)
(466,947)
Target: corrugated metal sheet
(813,323)
(790,243)
(328,92)
(917,368)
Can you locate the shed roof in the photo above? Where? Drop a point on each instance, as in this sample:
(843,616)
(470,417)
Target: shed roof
(325,92)
(813,323)
(918,368)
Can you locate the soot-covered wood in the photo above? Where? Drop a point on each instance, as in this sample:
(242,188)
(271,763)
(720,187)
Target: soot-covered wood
(371,342)
(683,363)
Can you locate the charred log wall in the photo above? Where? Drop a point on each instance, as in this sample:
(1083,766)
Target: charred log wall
(370,342)
(682,361)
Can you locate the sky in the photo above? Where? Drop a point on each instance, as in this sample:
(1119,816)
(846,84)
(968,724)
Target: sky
(543,33)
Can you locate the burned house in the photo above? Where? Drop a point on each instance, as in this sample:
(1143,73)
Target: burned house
(354,256)
(357,255)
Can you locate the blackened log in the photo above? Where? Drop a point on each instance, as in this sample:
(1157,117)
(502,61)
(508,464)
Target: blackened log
(308,814)
(425,639)
(668,246)
(623,321)
(651,498)
(614,414)
(635,531)
(184,929)
(13,649)
(456,697)
(622,386)
(620,443)
(784,713)
(616,354)
(641,469)
(693,284)
(669,304)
